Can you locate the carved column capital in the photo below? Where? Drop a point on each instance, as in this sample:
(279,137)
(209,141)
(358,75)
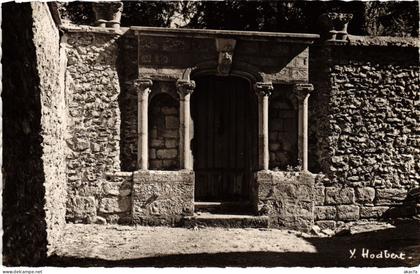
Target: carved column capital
(263,88)
(143,85)
(302,91)
(185,87)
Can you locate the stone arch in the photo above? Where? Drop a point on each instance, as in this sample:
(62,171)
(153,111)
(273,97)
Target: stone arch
(163,87)
(239,69)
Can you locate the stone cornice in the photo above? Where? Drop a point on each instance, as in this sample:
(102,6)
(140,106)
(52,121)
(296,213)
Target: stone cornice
(303,38)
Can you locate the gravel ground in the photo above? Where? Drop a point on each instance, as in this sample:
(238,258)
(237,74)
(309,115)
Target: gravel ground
(114,245)
(140,242)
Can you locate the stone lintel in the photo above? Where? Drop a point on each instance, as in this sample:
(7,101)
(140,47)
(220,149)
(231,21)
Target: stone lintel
(302,38)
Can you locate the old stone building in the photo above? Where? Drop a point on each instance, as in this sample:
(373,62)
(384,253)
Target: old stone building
(179,127)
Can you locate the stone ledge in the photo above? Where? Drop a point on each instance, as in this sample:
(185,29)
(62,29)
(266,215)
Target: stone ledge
(303,38)
(119,174)
(91,29)
(381,41)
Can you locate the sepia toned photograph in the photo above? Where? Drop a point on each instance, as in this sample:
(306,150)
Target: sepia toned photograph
(223,134)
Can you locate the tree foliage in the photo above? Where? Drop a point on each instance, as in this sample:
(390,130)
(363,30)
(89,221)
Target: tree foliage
(393,18)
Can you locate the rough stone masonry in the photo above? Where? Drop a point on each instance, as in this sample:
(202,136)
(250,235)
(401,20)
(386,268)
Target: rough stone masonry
(70,150)
(363,118)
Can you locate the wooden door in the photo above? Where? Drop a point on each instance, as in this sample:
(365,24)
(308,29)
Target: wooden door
(224,111)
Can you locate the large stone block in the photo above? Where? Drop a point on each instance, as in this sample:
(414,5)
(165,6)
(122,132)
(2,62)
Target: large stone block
(115,205)
(325,212)
(337,196)
(294,186)
(162,197)
(390,196)
(373,212)
(365,194)
(171,122)
(79,208)
(167,153)
(348,212)
(287,198)
(319,195)
(326,225)
(118,184)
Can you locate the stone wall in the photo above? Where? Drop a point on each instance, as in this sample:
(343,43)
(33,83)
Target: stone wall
(162,197)
(287,198)
(93,127)
(33,125)
(283,122)
(110,202)
(164,133)
(127,67)
(51,60)
(365,115)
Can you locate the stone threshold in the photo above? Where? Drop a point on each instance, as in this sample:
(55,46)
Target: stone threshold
(223,207)
(205,219)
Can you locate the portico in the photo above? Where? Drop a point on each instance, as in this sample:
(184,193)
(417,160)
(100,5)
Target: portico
(267,63)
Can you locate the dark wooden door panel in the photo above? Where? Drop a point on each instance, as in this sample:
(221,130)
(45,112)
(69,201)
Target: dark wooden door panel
(225,138)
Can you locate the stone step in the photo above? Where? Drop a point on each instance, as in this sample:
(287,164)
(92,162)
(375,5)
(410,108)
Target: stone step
(206,219)
(223,207)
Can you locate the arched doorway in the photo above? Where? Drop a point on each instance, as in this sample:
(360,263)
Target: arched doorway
(225,143)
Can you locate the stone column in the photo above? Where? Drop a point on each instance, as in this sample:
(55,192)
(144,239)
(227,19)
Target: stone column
(302,92)
(263,91)
(185,88)
(143,86)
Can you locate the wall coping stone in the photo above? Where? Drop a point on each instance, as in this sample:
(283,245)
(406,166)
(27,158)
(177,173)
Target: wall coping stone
(286,173)
(91,29)
(382,41)
(303,38)
(119,173)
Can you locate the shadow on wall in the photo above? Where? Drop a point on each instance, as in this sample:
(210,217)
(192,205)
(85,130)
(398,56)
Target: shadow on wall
(127,74)
(331,252)
(409,207)
(25,230)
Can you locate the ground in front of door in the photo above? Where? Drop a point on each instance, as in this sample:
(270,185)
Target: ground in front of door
(383,245)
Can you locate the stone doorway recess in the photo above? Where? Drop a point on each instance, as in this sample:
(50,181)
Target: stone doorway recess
(225,143)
